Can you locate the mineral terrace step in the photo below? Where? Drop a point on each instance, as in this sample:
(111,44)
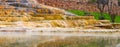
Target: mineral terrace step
(27,29)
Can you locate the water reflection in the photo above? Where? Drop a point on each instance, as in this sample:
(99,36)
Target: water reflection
(59,41)
(83,41)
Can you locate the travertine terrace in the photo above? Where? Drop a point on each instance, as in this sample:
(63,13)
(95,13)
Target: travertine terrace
(24,15)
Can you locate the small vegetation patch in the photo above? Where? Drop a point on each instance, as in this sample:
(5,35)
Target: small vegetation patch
(95,14)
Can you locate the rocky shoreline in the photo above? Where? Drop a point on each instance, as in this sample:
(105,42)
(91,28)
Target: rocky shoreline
(58,32)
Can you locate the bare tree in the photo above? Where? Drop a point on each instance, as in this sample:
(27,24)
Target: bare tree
(101,6)
(119,2)
(112,10)
(110,5)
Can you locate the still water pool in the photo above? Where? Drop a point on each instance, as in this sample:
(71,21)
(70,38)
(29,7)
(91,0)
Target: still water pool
(58,41)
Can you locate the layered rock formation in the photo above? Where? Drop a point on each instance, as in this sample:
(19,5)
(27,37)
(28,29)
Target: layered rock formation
(46,17)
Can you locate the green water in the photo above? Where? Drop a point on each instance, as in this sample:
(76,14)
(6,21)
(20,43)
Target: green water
(60,41)
(84,41)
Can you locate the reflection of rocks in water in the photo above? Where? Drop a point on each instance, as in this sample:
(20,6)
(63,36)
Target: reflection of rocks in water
(83,42)
(108,41)
(59,41)
(118,45)
(29,41)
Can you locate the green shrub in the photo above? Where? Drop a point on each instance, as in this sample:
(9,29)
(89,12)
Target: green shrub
(77,12)
(95,14)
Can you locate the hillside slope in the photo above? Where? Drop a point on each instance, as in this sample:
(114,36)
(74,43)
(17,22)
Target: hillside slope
(74,4)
